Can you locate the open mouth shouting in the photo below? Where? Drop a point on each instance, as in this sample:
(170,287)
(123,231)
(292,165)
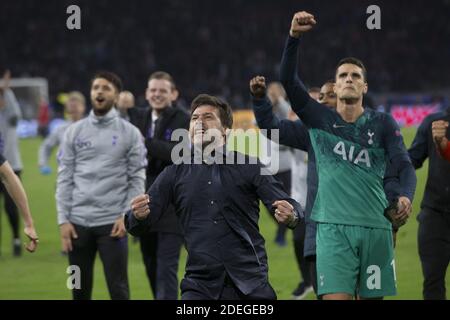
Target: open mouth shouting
(100,100)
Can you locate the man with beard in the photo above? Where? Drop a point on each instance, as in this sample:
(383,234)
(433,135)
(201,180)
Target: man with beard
(102,167)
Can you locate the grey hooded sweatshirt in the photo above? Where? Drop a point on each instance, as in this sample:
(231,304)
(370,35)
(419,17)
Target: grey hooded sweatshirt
(9,117)
(102,164)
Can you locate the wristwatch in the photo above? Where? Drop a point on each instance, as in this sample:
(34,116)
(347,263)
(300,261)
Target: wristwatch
(294,222)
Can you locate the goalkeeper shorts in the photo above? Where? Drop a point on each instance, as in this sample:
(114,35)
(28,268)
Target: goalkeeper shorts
(355,260)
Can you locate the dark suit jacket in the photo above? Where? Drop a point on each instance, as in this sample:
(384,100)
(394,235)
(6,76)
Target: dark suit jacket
(218,208)
(437,189)
(159,148)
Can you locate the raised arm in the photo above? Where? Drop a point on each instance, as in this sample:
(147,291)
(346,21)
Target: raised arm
(291,133)
(12,110)
(439,131)
(307,109)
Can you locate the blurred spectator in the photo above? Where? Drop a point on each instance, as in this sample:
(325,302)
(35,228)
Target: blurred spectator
(218,46)
(75,107)
(43,118)
(125,102)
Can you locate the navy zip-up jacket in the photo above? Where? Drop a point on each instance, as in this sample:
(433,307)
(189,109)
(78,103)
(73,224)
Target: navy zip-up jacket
(218,208)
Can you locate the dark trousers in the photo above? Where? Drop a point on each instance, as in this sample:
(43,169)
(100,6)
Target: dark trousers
(114,255)
(11,210)
(161,254)
(231,292)
(434,251)
(299,245)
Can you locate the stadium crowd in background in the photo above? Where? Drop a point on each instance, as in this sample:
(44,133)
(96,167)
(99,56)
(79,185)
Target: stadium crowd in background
(229,61)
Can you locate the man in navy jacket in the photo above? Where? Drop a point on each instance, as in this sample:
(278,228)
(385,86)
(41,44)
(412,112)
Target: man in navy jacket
(217,203)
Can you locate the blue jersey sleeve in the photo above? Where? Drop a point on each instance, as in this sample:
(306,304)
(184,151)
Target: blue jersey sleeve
(291,133)
(308,110)
(393,140)
(398,159)
(391,183)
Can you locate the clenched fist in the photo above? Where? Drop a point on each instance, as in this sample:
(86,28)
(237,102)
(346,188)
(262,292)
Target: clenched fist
(301,22)
(439,131)
(399,212)
(140,206)
(258,87)
(284,212)
(404,209)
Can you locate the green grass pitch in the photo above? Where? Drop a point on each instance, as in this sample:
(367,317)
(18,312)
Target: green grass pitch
(42,275)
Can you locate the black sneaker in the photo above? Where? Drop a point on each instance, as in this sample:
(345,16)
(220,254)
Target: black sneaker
(302,291)
(17,248)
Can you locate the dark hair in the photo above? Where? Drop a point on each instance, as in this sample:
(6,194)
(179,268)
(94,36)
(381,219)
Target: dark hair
(356,62)
(162,75)
(111,77)
(330,81)
(225,113)
(314,89)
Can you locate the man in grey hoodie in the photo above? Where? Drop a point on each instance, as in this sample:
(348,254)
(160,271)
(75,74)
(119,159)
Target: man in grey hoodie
(102,164)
